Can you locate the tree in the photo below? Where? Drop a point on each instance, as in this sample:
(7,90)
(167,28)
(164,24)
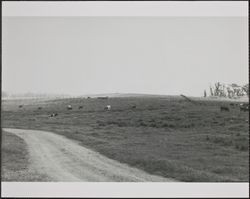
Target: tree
(245,88)
(205,93)
(211,91)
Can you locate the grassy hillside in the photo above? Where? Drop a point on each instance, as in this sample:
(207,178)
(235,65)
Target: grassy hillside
(166,136)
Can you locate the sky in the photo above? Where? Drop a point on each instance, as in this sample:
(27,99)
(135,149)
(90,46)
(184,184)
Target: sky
(151,55)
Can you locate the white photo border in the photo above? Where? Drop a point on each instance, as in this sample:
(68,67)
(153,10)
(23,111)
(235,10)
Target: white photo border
(147,8)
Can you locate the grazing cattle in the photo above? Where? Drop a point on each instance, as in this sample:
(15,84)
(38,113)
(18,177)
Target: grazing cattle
(88,97)
(39,108)
(244,107)
(232,104)
(80,107)
(224,108)
(69,107)
(53,114)
(134,106)
(108,107)
(20,106)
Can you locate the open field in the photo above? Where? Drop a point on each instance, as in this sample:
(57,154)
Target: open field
(165,136)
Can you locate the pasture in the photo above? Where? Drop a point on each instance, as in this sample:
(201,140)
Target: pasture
(166,136)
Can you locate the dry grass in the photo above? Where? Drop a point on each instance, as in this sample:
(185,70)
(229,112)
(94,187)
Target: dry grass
(166,136)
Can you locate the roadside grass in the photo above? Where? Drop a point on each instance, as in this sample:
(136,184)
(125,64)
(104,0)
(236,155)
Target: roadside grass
(15,160)
(164,136)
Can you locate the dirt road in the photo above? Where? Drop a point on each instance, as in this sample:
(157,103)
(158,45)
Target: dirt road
(61,159)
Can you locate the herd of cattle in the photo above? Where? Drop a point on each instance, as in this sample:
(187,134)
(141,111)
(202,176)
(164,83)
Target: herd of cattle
(242,106)
(69,107)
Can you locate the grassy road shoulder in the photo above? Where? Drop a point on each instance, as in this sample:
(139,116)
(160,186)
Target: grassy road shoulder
(15,160)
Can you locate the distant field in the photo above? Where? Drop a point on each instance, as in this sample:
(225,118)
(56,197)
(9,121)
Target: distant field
(165,136)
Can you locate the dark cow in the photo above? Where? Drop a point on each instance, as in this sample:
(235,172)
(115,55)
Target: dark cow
(80,107)
(39,108)
(133,107)
(20,106)
(224,108)
(244,107)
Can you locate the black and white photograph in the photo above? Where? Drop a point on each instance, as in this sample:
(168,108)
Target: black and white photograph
(119,98)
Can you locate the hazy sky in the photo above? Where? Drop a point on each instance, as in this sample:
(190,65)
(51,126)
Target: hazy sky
(155,55)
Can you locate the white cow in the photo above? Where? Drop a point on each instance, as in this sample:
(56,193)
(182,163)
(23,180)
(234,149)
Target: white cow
(108,107)
(69,107)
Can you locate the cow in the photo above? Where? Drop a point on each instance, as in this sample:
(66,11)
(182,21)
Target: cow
(80,107)
(133,107)
(69,107)
(244,107)
(53,115)
(108,107)
(224,108)
(20,106)
(39,108)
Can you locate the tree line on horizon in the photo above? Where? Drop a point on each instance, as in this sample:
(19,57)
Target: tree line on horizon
(228,90)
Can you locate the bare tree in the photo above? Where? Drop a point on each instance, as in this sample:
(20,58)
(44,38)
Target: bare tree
(228,90)
(205,93)
(245,88)
(217,89)
(211,91)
